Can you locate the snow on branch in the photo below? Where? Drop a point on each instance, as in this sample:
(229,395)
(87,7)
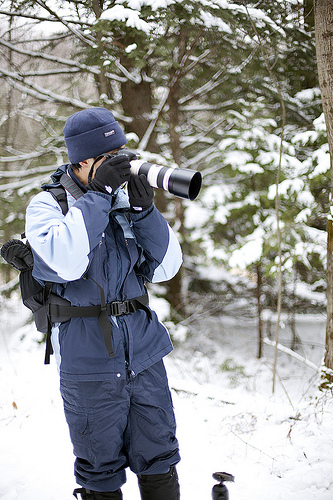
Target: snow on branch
(24,173)
(34,183)
(42,55)
(293,354)
(68,62)
(64,71)
(12,13)
(130,76)
(21,157)
(292,103)
(46,95)
(86,39)
(215,81)
(39,92)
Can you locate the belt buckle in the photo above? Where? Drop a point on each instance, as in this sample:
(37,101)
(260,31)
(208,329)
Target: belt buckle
(119,308)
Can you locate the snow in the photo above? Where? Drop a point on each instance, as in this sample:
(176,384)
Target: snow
(277,445)
(211,21)
(132,17)
(322,157)
(250,252)
(294,185)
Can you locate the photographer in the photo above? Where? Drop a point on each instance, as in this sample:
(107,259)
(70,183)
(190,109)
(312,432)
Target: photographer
(114,387)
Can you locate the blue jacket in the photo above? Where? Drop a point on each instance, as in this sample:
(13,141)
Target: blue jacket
(96,240)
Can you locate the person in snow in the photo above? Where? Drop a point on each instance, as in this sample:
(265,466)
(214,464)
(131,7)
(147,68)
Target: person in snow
(113,382)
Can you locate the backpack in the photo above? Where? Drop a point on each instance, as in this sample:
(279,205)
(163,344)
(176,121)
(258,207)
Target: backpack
(18,254)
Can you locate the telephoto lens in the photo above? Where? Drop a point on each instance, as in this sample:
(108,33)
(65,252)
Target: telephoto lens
(180,182)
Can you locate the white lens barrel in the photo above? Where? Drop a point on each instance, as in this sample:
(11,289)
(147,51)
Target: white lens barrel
(180,182)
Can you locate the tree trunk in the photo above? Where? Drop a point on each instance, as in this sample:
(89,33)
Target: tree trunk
(176,293)
(103,84)
(324,50)
(7,142)
(259,309)
(176,287)
(137,103)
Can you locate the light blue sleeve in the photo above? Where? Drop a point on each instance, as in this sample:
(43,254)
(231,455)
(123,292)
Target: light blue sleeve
(161,249)
(63,243)
(171,261)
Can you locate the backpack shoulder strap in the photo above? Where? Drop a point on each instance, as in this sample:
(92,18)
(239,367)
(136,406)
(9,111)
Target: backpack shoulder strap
(59,192)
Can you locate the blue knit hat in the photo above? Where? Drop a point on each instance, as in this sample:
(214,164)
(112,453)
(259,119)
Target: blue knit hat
(92,132)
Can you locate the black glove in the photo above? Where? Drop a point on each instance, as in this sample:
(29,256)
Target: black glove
(111,174)
(140,193)
(18,255)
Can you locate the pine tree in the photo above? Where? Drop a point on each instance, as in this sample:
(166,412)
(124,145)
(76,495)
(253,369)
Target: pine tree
(189,83)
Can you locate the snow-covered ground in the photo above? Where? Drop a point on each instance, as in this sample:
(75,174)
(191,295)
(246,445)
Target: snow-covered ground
(278,446)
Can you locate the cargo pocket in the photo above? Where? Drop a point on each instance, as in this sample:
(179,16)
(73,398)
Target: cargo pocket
(78,424)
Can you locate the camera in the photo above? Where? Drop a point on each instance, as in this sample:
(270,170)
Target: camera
(180,182)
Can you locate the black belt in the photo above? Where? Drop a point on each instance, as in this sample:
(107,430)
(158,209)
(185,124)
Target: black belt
(59,313)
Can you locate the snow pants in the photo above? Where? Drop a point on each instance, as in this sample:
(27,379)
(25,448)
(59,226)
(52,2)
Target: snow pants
(118,424)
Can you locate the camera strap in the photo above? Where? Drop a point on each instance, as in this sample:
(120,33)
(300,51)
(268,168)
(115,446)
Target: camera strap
(67,182)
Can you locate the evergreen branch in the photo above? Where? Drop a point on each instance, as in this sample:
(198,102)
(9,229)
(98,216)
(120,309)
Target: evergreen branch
(291,103)
(207,107)
(207,87)
(215,81)
(151,126)
(204,155)
(200,58)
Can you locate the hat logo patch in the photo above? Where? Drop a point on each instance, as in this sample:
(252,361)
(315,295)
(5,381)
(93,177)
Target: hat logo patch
(111,132)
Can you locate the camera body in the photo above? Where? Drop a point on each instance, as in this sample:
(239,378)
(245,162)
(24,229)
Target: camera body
(177,181)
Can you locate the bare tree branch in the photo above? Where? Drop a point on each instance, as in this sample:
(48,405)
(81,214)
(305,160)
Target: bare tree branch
(48,57)
(89,40)
(20,157)
(64,71)
(39,92)
(20,14)
(34,183)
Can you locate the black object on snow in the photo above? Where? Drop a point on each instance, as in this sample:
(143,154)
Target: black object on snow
(220,491)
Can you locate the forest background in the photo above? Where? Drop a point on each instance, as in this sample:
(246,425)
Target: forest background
(230,89)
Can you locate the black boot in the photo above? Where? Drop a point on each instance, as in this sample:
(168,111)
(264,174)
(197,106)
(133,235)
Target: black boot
(159,486)
(97,495)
